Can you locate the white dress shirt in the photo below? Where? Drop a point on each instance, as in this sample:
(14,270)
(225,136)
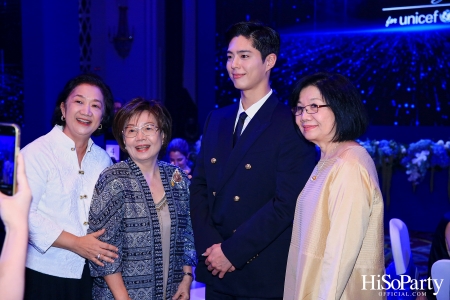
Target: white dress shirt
(62,194)
(251,111)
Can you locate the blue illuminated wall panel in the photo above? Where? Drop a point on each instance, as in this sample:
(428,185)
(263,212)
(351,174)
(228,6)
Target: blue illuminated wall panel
(396,52)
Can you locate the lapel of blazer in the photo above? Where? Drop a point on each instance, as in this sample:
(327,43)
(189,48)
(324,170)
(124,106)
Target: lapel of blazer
(257,125)
(226,127)
(225,138)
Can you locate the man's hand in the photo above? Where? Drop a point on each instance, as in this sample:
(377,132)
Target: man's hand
(217,262)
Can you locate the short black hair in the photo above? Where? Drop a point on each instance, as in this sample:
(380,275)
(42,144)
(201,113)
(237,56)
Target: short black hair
(264,39)
(344,100)
(135,108)
(90,79)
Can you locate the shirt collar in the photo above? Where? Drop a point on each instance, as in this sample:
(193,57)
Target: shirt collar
(65,141)
(252,110)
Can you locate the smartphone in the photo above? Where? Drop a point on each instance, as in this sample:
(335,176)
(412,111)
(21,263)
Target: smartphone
(9,148)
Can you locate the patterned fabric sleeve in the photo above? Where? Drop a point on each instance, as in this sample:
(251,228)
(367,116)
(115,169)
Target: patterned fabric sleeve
(190,257)
(186,234)
(107,211)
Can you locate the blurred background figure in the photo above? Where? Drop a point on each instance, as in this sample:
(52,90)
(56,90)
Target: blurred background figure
(178,155)
(193,154)
(8,169)
(198,144)
(118,103)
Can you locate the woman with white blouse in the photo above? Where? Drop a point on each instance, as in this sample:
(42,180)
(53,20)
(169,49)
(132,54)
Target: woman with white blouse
(62,168)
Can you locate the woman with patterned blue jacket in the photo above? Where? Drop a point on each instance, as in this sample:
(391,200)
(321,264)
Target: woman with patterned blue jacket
(143,204)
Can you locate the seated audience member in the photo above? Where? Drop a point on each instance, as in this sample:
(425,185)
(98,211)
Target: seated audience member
(338,226)
(14,213)
(439,247)
(143,204)
(178,153)
(62,168)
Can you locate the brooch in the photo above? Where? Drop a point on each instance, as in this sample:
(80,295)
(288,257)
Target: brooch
(176,177)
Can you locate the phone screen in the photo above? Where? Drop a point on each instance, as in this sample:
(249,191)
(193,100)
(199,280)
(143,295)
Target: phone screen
(9,145)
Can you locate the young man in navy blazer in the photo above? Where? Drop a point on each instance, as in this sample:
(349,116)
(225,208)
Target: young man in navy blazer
(250,171)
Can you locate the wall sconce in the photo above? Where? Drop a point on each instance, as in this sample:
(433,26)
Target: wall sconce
(123,39)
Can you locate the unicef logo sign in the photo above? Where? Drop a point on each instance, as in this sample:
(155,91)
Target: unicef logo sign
(445,16)
(418,18)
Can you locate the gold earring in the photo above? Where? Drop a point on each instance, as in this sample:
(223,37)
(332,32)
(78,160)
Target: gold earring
(100,127)
(62,118)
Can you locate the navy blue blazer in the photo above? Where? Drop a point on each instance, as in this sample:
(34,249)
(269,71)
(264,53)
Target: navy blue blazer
(244,197)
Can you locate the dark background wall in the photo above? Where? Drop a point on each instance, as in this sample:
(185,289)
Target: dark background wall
(178,100)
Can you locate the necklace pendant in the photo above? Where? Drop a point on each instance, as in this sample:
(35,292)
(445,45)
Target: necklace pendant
(313,177)
(85,223)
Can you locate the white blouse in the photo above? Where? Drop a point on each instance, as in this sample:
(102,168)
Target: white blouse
(62,194)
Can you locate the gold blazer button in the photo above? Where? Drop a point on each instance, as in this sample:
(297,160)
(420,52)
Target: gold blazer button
(213,160)
(248,166)
(236,198)
(73,149)
(81,172)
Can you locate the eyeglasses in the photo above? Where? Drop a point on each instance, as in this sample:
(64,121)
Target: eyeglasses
(313,109)
(147,129)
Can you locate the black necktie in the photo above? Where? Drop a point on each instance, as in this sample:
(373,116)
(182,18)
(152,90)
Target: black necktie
(239,126)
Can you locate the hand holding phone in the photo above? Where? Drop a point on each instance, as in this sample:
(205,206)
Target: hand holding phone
(9,148)
(14,213)
(14,209)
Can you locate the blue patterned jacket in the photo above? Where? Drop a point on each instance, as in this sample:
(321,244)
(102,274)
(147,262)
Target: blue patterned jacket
(123,205)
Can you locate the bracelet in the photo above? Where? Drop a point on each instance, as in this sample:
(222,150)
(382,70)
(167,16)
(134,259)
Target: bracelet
(188,274)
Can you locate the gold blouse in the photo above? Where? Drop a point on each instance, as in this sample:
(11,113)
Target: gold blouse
(338,231)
